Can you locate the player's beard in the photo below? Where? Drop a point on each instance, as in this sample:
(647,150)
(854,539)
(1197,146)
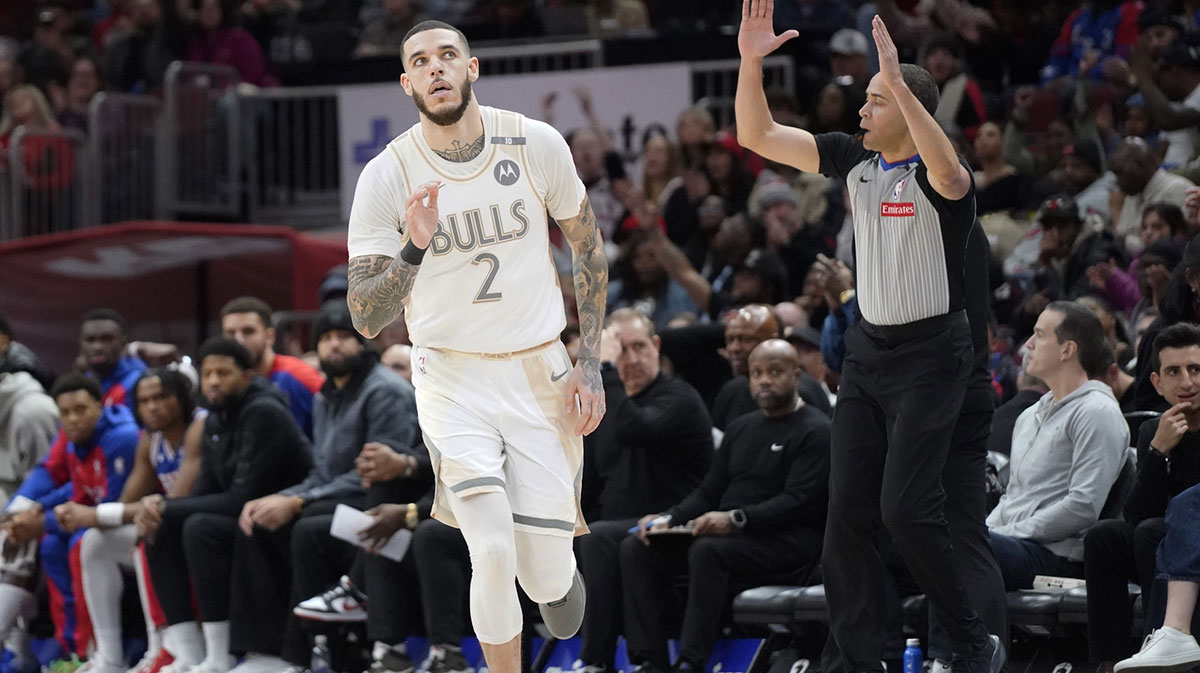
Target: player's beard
(346,365)
(450,117)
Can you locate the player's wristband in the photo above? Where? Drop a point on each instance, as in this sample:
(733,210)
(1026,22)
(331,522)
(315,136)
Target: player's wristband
(110,514)
(411,253)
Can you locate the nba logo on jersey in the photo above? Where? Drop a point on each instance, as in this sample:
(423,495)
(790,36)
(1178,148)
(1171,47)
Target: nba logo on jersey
(507,173)
(421,364)
(896,190)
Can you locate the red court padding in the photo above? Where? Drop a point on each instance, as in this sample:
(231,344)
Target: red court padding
(169,279)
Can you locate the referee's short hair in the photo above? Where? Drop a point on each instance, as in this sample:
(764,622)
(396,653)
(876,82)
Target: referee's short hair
(1083,327)
(921,83)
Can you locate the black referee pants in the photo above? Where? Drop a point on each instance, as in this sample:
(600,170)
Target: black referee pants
(899,401)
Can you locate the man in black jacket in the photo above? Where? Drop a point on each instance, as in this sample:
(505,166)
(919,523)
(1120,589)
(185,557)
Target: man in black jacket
(760,511)
(1119,551)
(651,450)
(252,447)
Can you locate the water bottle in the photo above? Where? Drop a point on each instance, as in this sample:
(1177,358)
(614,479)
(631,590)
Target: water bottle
(320,656)
(914,660)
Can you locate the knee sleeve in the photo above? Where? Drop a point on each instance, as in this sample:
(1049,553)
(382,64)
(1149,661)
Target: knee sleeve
(486,523)
(545,566)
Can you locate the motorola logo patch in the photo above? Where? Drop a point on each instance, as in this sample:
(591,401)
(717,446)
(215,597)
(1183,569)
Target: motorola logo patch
(507,172)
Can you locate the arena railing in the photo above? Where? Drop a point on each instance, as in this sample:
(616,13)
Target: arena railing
(123,135)
(45,190)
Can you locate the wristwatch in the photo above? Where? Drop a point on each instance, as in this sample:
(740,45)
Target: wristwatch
(410,516)
(846,295)
(738,517)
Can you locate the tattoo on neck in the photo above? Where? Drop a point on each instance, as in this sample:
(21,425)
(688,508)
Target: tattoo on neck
(461,153)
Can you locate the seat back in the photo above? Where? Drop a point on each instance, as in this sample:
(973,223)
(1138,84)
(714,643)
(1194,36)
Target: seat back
(1121,487)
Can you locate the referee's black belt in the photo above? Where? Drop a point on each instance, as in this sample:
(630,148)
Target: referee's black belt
(914,330)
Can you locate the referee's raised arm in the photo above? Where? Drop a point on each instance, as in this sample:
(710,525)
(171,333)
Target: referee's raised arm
(947,175)
(756,130)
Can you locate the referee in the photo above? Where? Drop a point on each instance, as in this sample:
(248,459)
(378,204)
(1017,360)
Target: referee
(908,359)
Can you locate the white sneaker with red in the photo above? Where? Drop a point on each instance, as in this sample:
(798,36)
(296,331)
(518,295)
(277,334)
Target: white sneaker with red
(343,603)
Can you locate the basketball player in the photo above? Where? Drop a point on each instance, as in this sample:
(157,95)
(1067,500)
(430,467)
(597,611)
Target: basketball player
(501,408)
(164,408)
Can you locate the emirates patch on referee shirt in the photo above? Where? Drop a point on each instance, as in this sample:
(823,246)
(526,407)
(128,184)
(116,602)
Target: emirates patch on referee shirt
(897,209)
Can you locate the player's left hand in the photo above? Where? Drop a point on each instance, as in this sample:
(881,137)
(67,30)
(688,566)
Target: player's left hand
(712,523)
(584,381)
(72,516)
(889,57)
(274,511)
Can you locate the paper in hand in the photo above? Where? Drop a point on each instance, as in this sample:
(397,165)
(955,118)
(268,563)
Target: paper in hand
(349,522)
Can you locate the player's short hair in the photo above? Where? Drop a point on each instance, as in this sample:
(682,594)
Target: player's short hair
(174,384)
(227,348)
(921,83)
(431,24)
(69,383)
(1082,326)
(106,314)
(5,328)
(628,314)
(249,305)
(1179,335)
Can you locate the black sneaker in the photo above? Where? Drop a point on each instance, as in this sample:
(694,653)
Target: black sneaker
(988,659)
(385,659)
(343,603)
(444,659)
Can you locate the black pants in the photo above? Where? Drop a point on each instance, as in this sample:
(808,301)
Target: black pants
(712,563)
(192,548)
(600,562)
(1116,553)
(444,566)
(963,479)
(899,400)
(262,587)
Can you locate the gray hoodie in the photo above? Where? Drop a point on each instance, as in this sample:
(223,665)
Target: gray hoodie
(1066,456)
(28,423)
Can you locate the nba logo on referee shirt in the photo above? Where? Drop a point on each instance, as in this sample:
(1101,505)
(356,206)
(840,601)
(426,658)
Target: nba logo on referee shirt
(421,364)
(887,209)
(898,187)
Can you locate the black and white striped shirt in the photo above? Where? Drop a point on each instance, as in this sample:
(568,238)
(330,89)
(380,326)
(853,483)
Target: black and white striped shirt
(909,241)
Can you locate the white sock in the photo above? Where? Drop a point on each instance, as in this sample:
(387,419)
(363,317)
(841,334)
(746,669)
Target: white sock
(216,640)
(185,642)
(108,645)
(18,643)
(17,606)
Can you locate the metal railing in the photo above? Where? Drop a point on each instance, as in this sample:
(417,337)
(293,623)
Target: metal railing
(45,176)
(123,137)
(200,149)
(212,150)
(292,165)
(715,82)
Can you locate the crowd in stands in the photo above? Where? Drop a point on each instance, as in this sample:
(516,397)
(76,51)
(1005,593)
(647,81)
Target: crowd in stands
(732,287)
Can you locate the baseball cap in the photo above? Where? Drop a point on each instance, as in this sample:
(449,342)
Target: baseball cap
(1086,150)
(1058,208)
(804,334)
(848,42)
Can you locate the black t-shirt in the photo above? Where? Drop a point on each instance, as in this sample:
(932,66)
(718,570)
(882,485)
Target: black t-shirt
(649,451)
(1159,480)
(774,469)
(909,241)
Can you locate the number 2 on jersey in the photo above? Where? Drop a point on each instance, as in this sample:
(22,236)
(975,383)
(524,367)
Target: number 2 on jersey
(485,293)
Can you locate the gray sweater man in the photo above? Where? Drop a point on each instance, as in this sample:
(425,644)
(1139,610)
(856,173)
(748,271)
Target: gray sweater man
(1067,452)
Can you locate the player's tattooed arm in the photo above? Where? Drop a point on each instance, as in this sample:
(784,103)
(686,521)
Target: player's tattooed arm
(461,153)
(378,287)
(591,286)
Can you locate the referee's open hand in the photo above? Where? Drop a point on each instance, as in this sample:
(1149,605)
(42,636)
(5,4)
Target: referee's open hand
(756,35)
(889,57)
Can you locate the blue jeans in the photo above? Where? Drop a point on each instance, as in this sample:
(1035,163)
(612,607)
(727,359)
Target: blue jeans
(1179,552)
(1021,560)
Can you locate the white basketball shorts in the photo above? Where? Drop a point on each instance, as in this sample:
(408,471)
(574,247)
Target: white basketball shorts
(499,423)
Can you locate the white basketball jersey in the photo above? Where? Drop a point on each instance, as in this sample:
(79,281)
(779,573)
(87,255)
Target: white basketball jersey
(487,283)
